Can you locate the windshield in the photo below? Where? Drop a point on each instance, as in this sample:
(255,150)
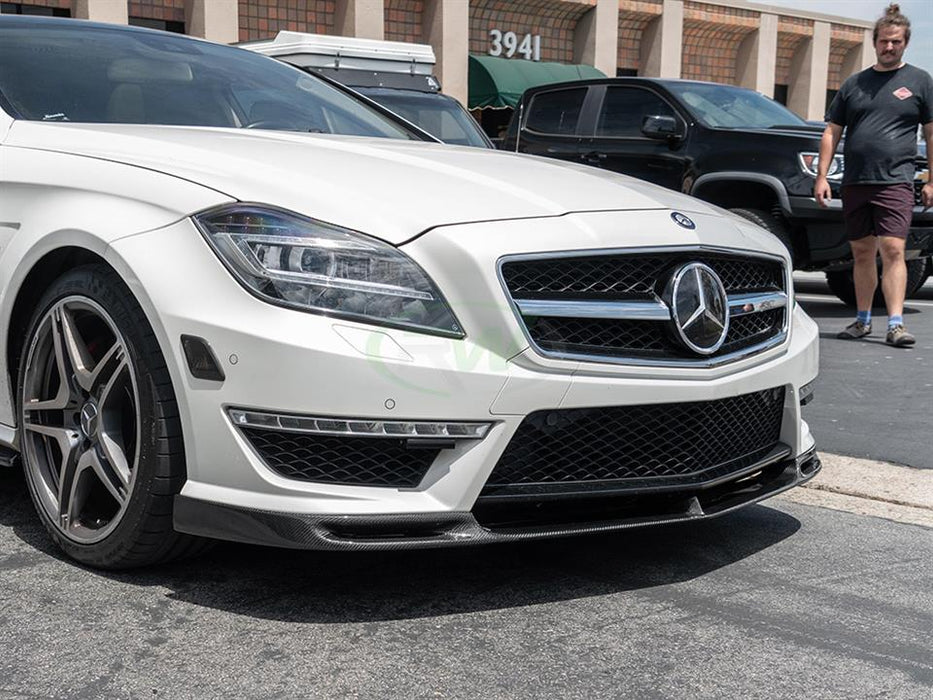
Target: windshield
(439,115)
(729,107)
(75,72)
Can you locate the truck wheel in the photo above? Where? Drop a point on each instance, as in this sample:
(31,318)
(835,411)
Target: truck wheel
(101,440)
(842,285)
(927,272)
(772,223)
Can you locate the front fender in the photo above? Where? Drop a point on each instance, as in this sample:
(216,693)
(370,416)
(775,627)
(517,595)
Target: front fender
(741,176)
(50,201)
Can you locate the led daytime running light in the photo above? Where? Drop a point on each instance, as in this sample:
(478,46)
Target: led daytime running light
(358,427)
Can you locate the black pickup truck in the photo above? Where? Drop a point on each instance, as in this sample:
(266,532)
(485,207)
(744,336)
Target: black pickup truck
(724,144)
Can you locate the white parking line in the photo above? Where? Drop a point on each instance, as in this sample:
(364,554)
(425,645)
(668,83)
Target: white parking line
(819,297)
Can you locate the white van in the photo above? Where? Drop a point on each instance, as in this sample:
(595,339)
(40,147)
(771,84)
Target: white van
(397,75)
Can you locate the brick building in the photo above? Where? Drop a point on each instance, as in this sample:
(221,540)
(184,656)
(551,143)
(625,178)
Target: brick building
(799,58)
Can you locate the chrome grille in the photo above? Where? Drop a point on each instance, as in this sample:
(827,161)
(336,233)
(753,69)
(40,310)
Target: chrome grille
(628,276)
(751,329)
(616,275)
(609,307)
(642,338)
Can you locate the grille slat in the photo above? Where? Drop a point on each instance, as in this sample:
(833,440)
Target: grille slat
(341,460)
(679,443)
(921,177)
(647,338)
(640,277)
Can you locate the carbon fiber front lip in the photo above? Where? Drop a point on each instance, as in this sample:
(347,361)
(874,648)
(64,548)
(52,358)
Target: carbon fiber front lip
(434,530)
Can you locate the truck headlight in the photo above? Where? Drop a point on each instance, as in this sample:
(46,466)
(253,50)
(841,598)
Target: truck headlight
(810,164)
(294,261)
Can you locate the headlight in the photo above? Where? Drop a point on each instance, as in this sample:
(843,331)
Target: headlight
(305,264)
(810,164)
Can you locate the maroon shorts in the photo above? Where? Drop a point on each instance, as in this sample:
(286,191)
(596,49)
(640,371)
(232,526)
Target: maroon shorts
(879,210)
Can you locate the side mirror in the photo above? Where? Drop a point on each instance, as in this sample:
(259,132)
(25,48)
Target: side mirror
(661,127)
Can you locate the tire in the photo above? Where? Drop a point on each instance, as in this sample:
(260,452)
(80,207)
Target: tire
(927,271)
(102,451)
(841,283)
(774,224)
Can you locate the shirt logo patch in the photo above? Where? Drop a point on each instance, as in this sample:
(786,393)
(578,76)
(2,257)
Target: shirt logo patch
(903,93)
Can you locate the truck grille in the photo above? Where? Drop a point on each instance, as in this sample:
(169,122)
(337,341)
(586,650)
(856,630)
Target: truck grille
(638,447)
(921,177)
(918,190)
(612,307)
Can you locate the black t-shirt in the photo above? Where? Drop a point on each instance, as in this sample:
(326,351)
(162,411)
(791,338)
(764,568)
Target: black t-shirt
(881,111)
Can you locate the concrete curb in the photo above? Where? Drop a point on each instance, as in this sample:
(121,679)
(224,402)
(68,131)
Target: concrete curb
(868,487)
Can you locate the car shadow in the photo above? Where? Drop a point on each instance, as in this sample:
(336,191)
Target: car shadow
(327,587)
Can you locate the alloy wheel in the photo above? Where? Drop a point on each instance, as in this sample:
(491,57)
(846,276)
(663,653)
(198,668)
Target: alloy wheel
(80,419)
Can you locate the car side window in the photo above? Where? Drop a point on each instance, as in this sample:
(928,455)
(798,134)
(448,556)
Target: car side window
(556,111)
(625,108)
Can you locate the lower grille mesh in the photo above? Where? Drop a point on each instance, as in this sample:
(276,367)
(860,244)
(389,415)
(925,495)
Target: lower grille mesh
(680,443)
(341,460)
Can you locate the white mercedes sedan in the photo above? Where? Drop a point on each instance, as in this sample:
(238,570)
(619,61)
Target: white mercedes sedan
(237,303)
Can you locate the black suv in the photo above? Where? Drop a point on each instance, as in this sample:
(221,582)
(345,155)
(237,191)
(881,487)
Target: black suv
(727,145)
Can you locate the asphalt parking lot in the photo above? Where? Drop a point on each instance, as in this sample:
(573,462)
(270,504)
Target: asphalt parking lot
(781,600)
(872,401)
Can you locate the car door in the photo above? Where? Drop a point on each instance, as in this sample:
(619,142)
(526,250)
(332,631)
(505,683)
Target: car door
(550,125)
(614,140)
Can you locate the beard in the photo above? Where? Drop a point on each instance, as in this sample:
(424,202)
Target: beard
(889,58)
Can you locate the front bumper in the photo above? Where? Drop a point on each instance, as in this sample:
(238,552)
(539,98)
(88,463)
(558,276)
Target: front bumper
(288,362)
(826,236)
(432,530)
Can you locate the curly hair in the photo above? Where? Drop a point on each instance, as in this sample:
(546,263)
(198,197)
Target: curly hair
(892,17)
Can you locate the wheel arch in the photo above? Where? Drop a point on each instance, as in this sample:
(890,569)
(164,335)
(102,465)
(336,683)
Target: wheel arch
(739,189)
(40,275)
(46,270)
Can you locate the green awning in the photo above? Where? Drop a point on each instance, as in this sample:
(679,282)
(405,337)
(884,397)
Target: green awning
(500,82)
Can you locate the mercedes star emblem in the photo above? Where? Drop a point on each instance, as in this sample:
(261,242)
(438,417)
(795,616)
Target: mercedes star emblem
(89,419)
(683,220)
(699,308)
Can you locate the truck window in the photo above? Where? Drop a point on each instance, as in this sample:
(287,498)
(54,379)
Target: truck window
(730,107)
(556,112)
(624,110)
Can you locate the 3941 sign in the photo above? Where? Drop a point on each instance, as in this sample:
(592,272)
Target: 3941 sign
(508,44)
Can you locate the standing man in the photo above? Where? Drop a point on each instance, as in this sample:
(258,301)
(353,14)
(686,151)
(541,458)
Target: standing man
(880,109)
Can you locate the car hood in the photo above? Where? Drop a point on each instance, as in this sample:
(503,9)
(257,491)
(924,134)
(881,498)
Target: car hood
(804,138)
(388,188)
(807,131)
